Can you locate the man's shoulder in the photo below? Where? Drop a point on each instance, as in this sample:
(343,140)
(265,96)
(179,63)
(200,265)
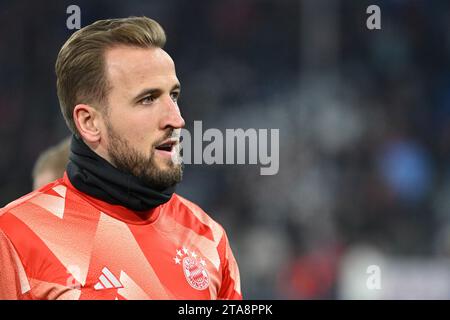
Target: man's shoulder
(192,208)
(193,213)
(55,188)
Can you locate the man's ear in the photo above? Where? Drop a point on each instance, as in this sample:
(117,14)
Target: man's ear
(88,122)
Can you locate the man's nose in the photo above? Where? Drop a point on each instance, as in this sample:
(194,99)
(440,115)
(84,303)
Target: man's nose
(172,117)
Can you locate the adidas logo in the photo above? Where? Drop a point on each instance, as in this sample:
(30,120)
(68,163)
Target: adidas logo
(107,281)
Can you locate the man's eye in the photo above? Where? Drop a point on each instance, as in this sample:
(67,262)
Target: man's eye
(175,96)
(147,100)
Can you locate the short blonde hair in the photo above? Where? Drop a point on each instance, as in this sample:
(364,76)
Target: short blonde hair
(54,160)
(80,65)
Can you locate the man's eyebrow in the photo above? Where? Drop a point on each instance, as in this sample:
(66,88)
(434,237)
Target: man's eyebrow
(150,91)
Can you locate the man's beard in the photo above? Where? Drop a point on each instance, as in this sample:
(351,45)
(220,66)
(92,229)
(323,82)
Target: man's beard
(129,160)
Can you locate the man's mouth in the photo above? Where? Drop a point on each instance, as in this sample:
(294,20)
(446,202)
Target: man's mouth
(167,145)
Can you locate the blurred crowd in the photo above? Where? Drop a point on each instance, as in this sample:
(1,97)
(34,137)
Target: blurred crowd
(364,119)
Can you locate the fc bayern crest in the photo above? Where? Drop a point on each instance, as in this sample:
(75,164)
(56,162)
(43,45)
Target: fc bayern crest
(194,268)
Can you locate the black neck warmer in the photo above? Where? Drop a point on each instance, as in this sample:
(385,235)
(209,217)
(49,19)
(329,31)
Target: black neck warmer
(91,174)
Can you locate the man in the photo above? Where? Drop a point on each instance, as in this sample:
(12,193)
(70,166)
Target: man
(51,164)
(112,227)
